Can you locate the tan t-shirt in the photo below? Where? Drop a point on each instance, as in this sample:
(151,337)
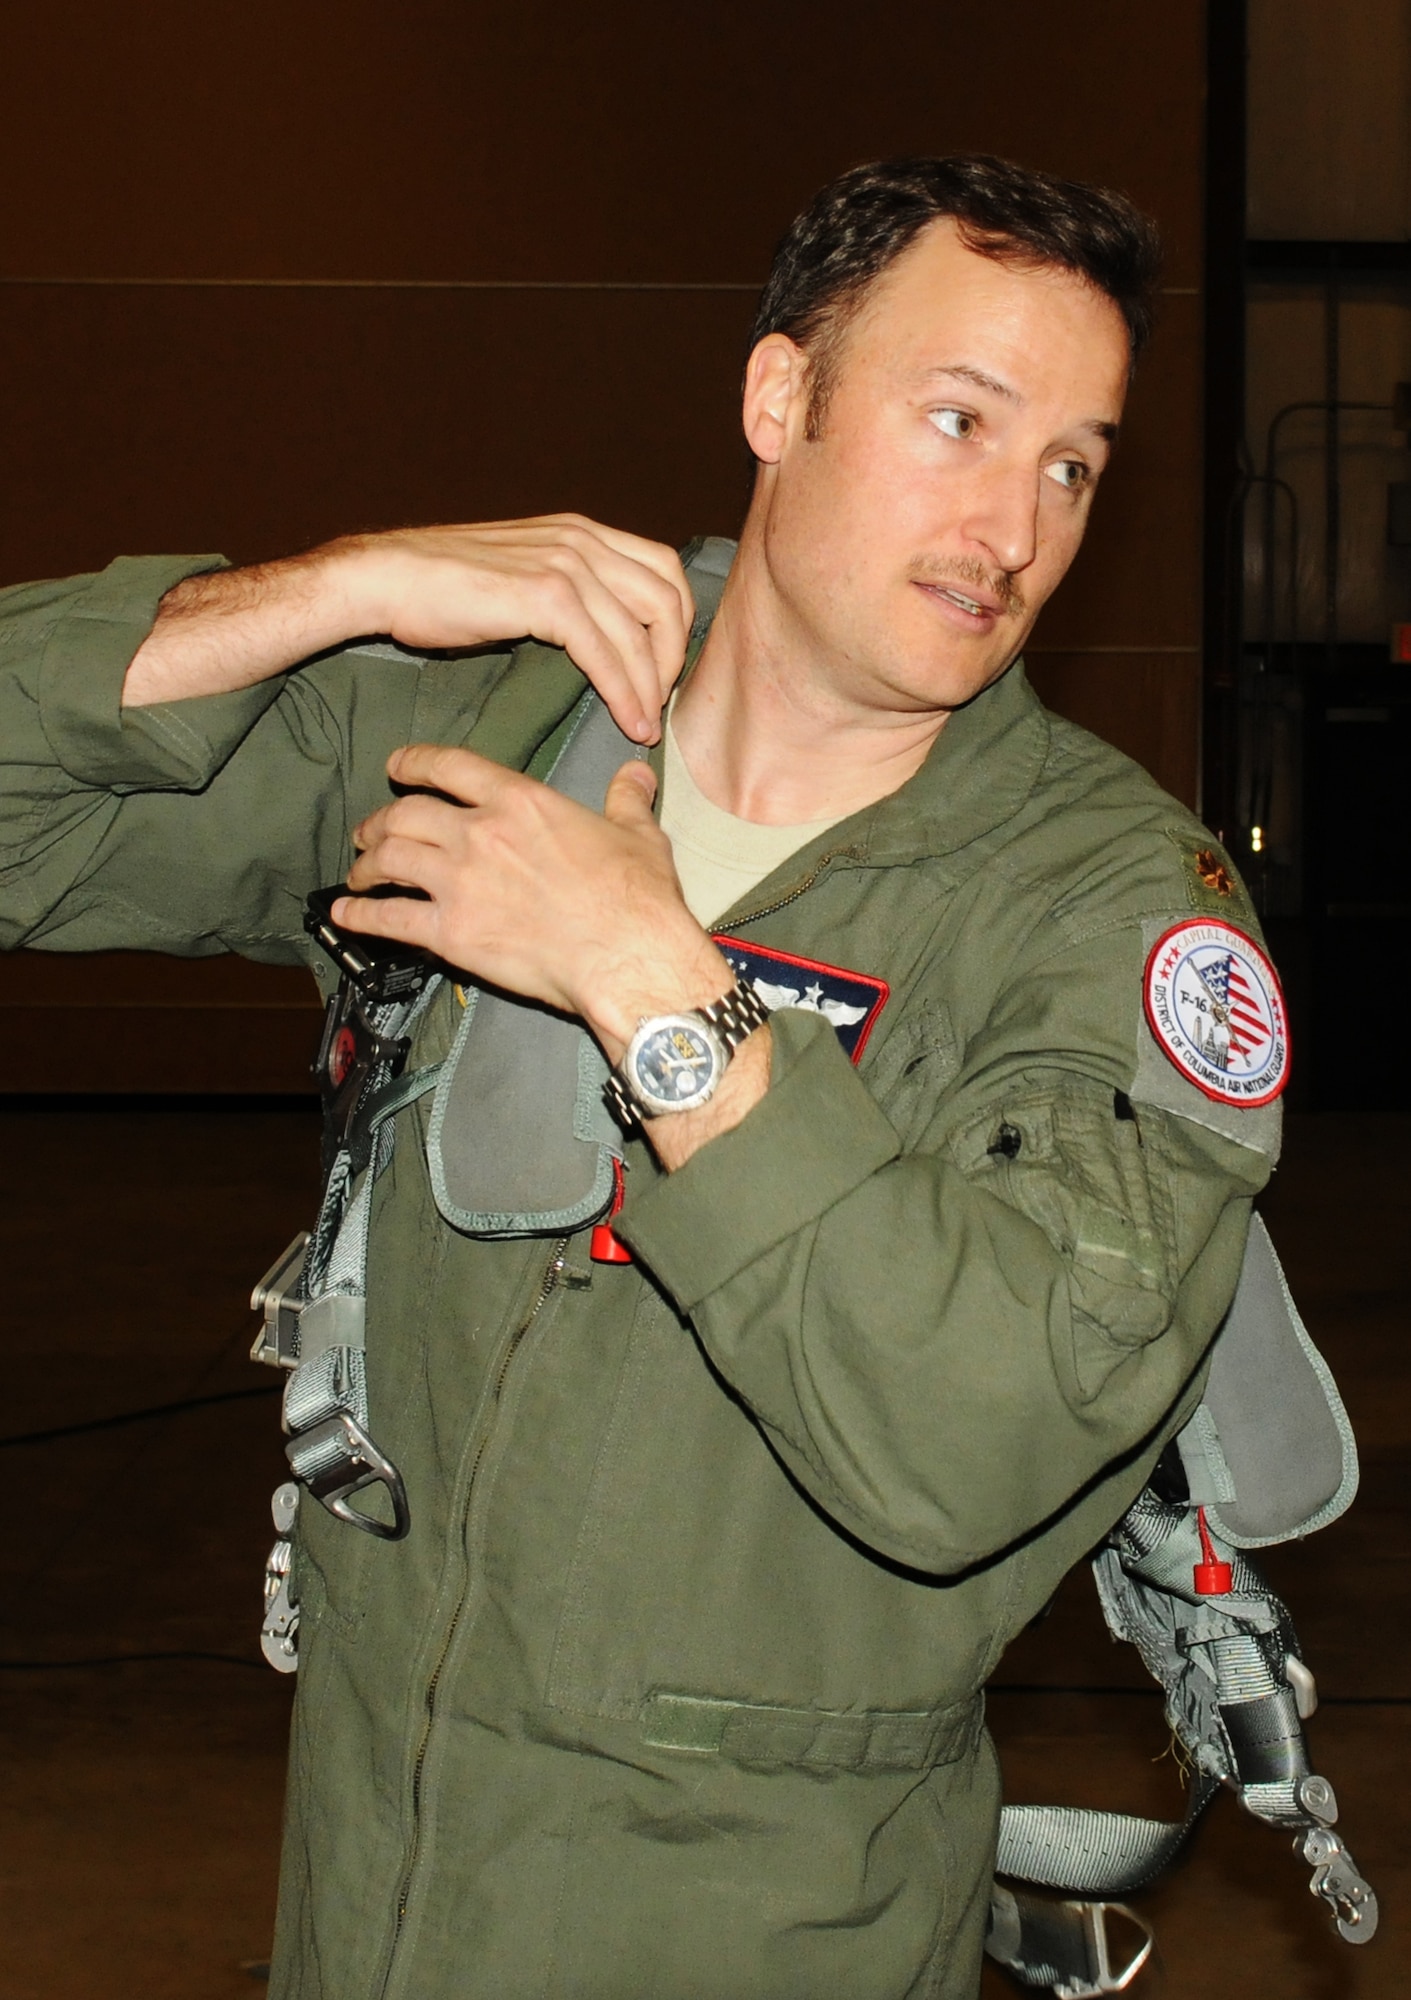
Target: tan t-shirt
(718,857)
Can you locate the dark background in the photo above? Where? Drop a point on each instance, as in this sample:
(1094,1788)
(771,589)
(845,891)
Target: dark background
(271,273)
(267,274)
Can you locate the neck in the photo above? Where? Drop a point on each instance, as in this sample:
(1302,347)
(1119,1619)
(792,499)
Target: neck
(764,723)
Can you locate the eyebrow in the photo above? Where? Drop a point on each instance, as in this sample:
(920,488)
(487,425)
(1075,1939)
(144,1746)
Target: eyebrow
(961,371)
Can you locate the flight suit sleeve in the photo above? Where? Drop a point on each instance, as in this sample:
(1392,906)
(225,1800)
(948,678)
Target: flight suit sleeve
(191,827)
(949,1341)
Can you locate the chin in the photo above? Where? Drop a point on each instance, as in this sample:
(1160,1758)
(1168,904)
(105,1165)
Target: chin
(952,683)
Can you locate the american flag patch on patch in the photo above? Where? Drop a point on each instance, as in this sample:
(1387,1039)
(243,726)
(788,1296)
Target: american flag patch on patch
(1214,1003)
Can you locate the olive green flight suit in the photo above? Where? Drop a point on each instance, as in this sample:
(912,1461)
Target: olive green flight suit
(673,1691)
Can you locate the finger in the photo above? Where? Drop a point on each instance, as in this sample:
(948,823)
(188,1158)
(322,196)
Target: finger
(664,607)
(404,864)
(400,918)
(460,774)
(658,557)
(620,623)
(648,578)
(630,793)
(415,817)
(638,652)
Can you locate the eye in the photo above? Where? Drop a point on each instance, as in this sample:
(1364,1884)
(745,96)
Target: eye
(955,424)
(1069,473)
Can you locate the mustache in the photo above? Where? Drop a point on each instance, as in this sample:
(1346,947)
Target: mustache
(996,583)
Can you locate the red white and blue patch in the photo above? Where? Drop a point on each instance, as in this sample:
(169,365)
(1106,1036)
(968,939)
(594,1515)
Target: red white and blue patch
(1214,1003)
(851,1001)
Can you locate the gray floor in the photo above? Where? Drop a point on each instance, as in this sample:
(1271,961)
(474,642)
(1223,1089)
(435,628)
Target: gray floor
(140,1810)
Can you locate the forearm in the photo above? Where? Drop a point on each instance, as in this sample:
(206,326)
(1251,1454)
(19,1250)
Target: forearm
(943,1355)
(231,629)
(619,606)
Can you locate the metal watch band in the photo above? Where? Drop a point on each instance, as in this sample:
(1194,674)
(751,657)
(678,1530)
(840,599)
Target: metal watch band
(735,1015)
(732,1018)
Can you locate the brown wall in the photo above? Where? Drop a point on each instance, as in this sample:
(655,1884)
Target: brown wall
(269,273)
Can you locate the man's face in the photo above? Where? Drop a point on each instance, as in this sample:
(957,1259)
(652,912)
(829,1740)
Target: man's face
(912,545)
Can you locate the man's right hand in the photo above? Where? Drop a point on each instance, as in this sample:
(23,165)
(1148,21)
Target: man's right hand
(619,606)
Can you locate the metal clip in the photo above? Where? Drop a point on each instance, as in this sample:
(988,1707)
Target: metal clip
(279,1634)
(1305,1688)
(356,1463)
(277,1342)
(1335,1878)
(1318,1799)
(1104,1978)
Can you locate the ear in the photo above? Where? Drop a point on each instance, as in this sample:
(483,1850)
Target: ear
(775,398)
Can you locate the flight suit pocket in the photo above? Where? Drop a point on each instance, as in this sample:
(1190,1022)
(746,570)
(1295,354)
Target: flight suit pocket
(701,1585)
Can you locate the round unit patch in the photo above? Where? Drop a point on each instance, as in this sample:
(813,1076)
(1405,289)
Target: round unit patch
(1214,1004)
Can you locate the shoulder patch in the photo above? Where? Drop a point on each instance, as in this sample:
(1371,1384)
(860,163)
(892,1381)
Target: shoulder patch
(1214,1004)
(1211,882)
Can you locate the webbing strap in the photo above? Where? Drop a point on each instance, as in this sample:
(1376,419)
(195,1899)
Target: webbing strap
(330,1450)
(1093,1853)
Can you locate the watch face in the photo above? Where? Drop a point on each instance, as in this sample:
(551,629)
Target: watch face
(674,1063)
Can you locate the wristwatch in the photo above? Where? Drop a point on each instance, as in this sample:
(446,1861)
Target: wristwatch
(675,1062)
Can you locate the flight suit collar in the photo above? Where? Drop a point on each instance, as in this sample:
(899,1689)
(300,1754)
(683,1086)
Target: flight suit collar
(981,769)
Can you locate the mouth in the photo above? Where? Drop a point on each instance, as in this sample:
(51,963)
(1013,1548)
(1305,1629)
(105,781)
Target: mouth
(969,604)
(983,610)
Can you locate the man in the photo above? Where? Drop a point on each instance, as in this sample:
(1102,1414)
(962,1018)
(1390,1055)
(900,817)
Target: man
(673,1687)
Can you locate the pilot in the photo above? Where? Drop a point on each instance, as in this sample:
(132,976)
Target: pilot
(673,1688)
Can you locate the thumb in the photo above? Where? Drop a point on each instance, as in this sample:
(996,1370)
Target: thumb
(630,795)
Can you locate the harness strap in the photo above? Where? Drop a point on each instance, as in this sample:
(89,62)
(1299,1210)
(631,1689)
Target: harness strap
(1236,1695)
(1094,1853)
(330,1447)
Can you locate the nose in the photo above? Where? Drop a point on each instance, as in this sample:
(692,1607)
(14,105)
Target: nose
(1002,517)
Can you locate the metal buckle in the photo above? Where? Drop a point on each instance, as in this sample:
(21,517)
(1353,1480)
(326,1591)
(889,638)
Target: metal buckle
(380,968)
(1352,1901)
(277,1342)
(359,1464)
(1104,1978)
(279,1634)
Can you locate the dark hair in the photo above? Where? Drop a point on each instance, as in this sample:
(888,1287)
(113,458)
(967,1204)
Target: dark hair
(860,223)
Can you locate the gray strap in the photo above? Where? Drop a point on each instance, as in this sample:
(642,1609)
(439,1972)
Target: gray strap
(707,564)
(330,1449)
(1221,1663)
(1093,1853)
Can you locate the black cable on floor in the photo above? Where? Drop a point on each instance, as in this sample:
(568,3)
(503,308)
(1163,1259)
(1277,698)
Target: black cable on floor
(140,1416)
(120,1104)
(127,1660)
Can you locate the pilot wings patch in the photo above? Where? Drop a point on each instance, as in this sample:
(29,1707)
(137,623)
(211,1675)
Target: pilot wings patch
(849,1001)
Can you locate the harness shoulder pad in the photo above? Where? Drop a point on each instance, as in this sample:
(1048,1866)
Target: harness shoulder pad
(1269,1452)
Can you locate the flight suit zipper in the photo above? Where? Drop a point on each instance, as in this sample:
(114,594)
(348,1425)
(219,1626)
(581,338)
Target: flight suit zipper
(546,1288)
(728,923)
(553,1271)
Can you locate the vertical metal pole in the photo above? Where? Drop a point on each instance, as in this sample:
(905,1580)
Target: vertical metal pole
(1332,489)
(1225,54)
